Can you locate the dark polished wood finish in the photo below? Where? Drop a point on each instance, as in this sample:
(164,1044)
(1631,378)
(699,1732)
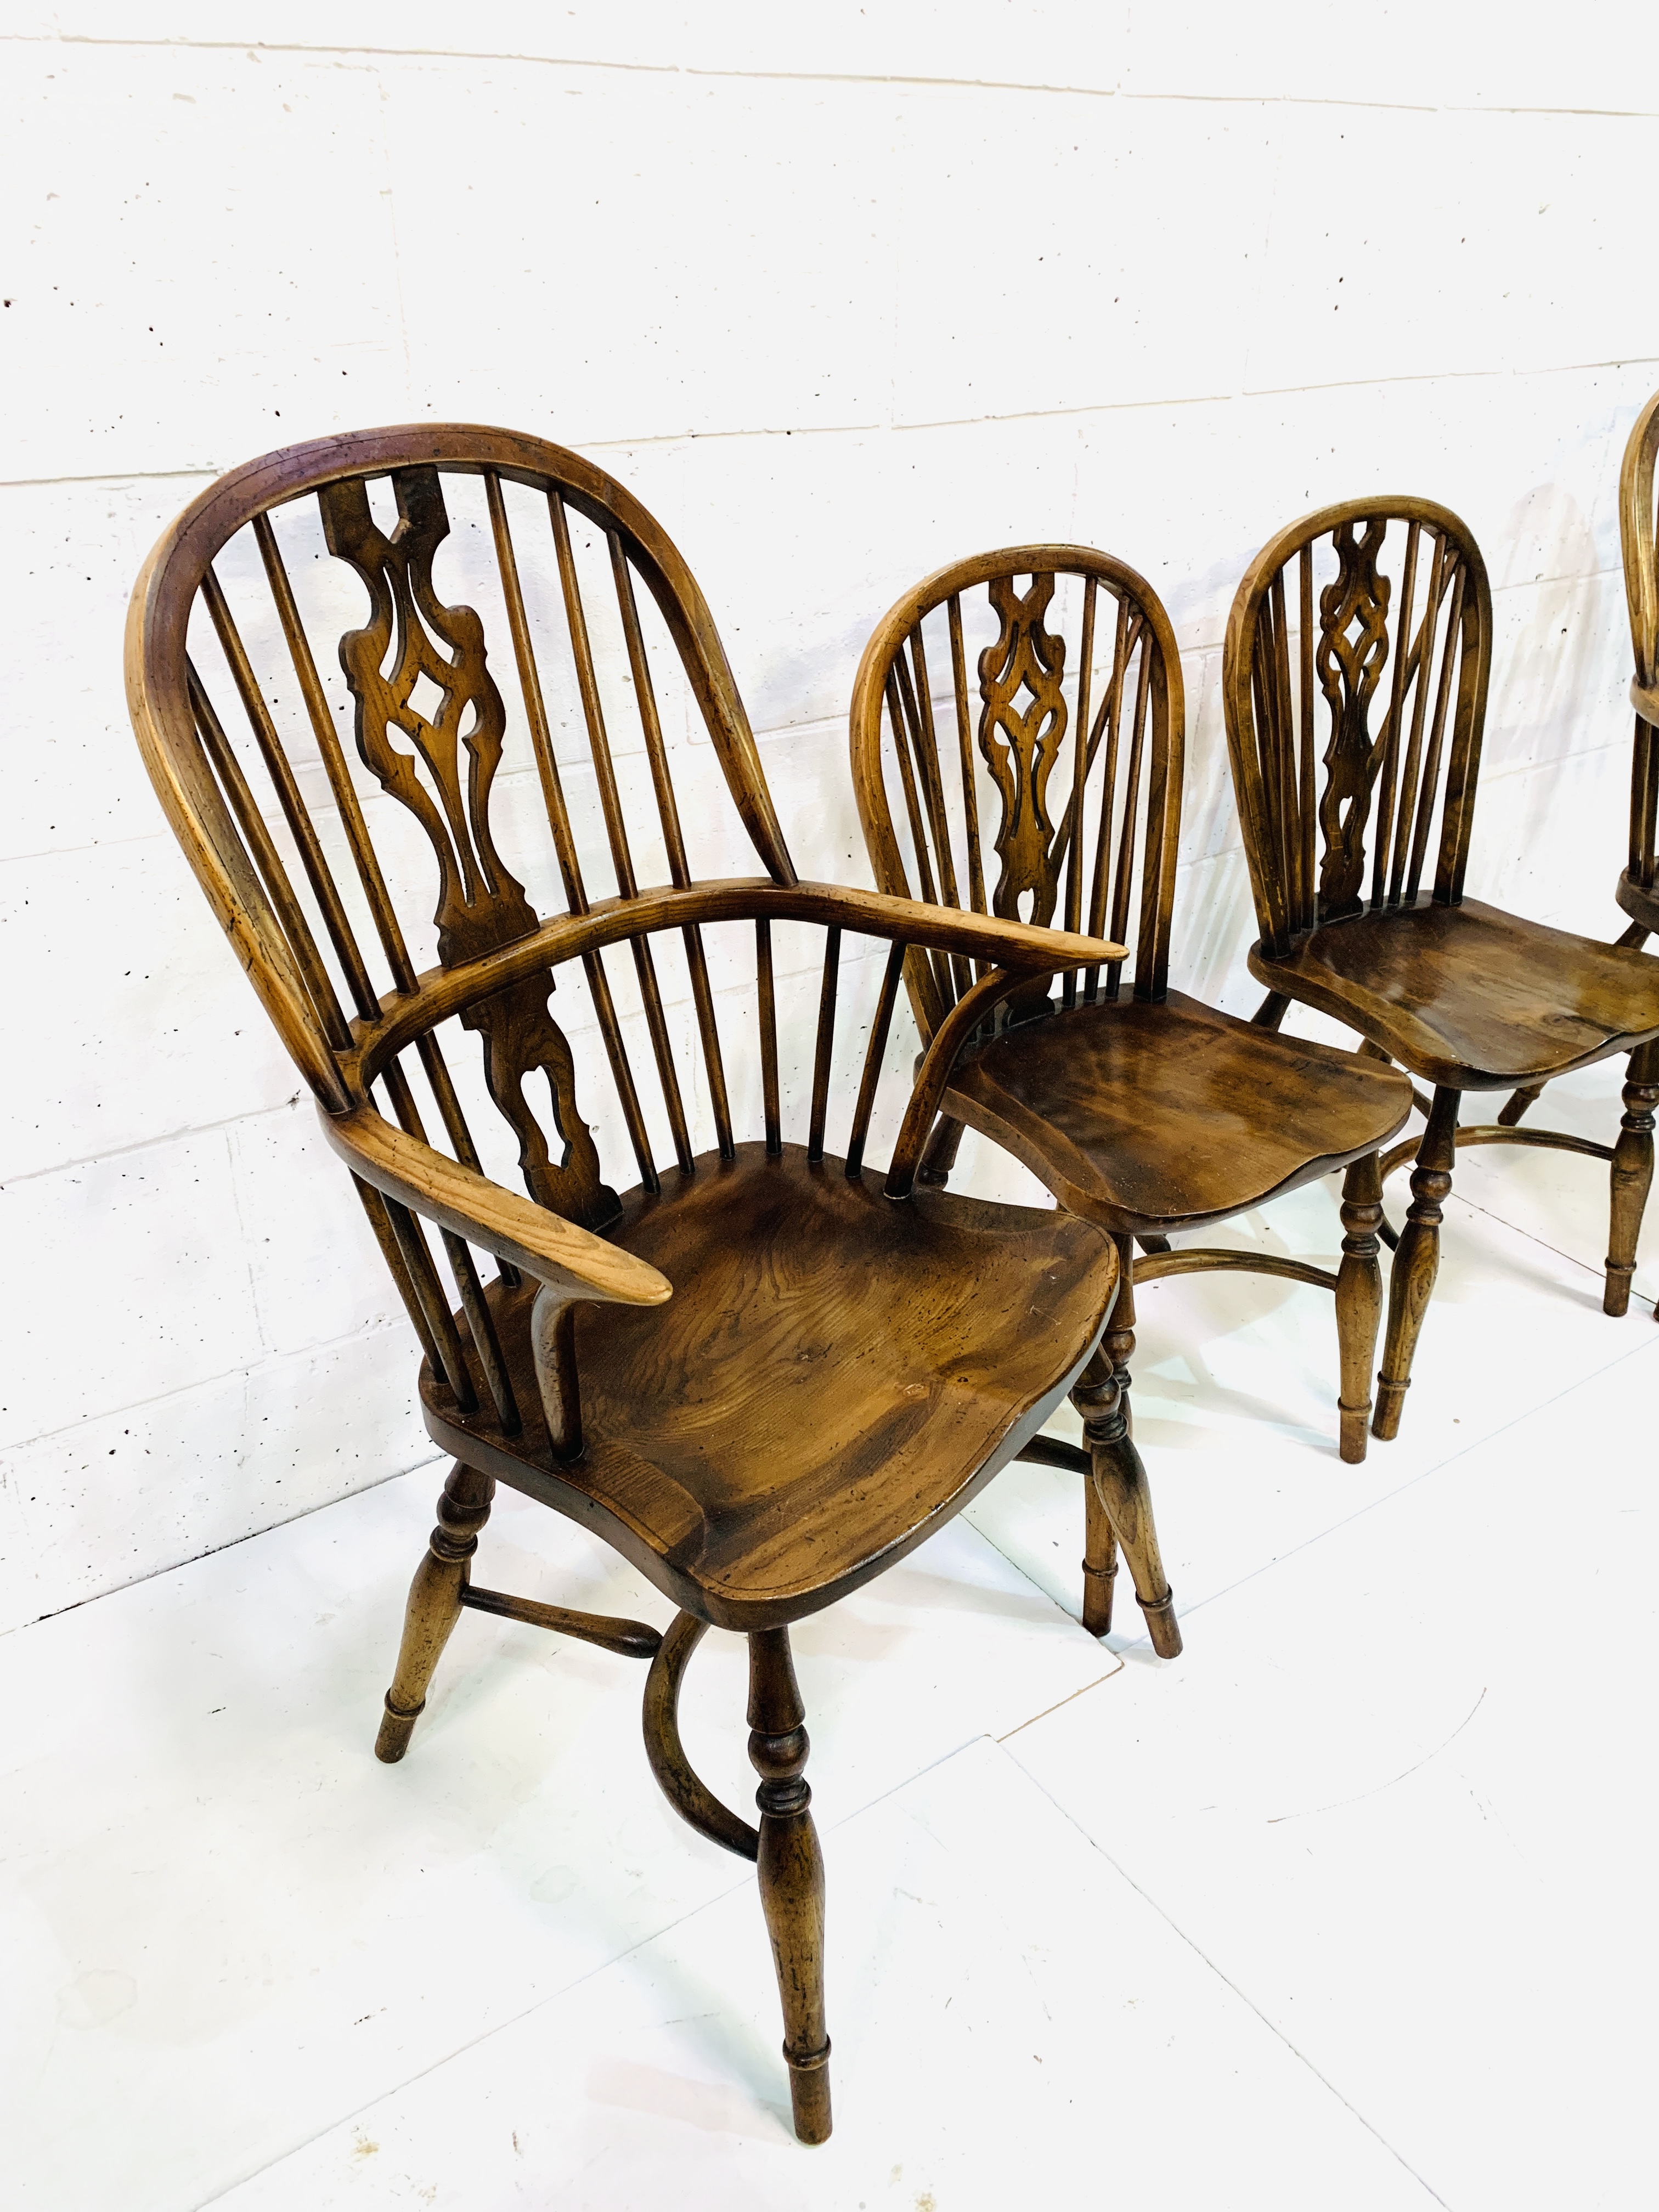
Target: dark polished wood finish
(1636,892)
(760,1369)
(1051,786)
(1361,636)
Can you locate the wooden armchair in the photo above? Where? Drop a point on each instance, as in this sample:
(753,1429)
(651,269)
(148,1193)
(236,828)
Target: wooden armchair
(1142,1110)
(764,1373)
(1464,996)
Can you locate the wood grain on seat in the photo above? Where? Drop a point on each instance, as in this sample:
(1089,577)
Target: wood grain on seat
(1151,1118)
(833,1374)
(1471,998)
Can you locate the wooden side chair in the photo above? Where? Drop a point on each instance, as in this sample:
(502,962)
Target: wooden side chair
(764,1372)
(1143,1110)
(1359,643)
(1636,892)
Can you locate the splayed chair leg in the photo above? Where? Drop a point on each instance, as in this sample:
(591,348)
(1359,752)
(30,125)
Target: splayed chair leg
(434,1604)
(1358,1301)
(791,1868)
(1120,1487)
(1416,1262)
(1631,1176)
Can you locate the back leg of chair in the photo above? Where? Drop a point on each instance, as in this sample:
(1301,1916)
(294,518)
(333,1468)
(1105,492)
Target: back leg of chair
(1517,1102)
(940,1156)
(434,1604)
(1099,1561)
(1631,1176)
(1416,1261)
(791,1868)
(1358,1301)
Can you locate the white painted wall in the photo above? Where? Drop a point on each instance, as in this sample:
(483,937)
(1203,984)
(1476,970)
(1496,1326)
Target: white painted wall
(841,293)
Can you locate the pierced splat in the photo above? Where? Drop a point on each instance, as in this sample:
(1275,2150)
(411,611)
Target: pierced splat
(520,1038)
(441,701)
(1021,746)
(1354,646)
(428,695)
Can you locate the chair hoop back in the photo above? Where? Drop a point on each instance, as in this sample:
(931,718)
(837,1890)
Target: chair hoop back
(1373,618)
(1064,752)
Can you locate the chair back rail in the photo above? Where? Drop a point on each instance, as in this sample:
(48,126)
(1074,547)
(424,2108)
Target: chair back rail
(1641,557)
(1063,751)
(1354,680)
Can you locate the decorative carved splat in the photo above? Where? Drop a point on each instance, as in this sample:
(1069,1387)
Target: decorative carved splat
(1021,746)
(520,1036)
(480,904)
(1353,644)
(403,680)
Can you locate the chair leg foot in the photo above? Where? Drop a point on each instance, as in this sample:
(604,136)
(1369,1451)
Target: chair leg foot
(1099,1562)
(1631,1176)
(395,1731)
(1358,1302)
(1416,1263)
(435,1604)
(791,1868)
(1390,1404)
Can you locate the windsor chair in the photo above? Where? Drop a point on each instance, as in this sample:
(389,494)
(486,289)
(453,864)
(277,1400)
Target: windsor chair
(762,1373)
(1635,889)
(1143,1110)
(1464,996)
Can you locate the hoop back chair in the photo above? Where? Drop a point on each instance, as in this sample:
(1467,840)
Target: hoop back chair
(755,1374)
(1355,674)
(1054,790)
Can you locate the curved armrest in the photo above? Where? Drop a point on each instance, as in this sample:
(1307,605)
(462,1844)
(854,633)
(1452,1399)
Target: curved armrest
(1018,945)
(554,1252)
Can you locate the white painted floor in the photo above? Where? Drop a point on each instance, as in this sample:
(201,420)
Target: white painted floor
(1351,1907)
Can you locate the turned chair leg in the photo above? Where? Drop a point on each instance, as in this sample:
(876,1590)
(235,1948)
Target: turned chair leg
(1416,1261)
(940,1157)
(1123,1496)
(791,1875)
(1633,1174)
(434,1604)
(1358,1301)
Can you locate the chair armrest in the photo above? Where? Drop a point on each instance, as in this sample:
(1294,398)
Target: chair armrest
(1026,949)
(552,1251)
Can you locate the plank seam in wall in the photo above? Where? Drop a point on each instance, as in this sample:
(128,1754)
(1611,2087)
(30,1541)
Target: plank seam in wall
(248,1370)
(808,76)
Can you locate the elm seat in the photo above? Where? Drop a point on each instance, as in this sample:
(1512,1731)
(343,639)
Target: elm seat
(834,1376)
(1472,999)
(1145,1118)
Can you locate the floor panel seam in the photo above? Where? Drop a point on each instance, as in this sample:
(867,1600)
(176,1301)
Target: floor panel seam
(1243,1997)
(603,1966)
